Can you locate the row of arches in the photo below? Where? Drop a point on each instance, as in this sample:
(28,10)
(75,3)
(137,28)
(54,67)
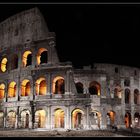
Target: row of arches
(94,88)
(41,58)
(41,118)
(58,87)
(128,96)
(77,119)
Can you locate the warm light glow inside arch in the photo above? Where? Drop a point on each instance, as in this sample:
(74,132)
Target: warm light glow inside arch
(25,57)
(60,83)
(4,64)
(94,88)
(40,51)
(77,116)
(2,91)
(12,89)
(41,87)
(40,118)
(25,88)
(59,118)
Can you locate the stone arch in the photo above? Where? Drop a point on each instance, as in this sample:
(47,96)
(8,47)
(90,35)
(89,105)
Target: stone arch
(1,119)
(41,86)
(128,120)
(40,118)
(42,56)
(59,118)
(94,88)
(2,91)
(11,119)
(58,85)
(4,62)
(27,58)
(127,96)
(137,119)
(14,61)
(25,118)
(79,87)
(77,118)
(12,89)
(25,87)
(95,118)
(118,91)
(111,118)
(136,96)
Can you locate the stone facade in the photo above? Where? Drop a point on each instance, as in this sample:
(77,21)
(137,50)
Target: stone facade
(37,91)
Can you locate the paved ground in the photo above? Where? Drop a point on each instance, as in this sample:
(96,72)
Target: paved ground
(71,133)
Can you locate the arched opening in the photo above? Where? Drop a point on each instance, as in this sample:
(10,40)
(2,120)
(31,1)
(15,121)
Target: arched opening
(12,89)
(25,88)
(95,118)
(4,64)
(127,120)
(41,86)
(110,118)
(137,119)
(127,82)
(127,96)
(42,56)
(2,91)
(40,119)
(27,58)
(59,118)
(94,88)
(11,119)
(136,96)
(14,62)
(79,87)
(25,116)
(118,92)
(77,118)
(1,119)
(58,85)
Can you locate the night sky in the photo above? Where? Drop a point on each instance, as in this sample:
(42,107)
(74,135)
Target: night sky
(90,33)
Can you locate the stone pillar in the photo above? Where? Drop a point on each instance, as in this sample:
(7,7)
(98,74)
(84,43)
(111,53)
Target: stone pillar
(112,88)
(5,117)
(122,115)
(34,58)
(103,87)
(6,91)
(49,84)
(18,88)
(49,117)
(16,123)
(132,91)
(67,117)
(50,53)
(87,117)
(19,59)
(34,87)
(33,113)
(67,87)
(132,100)
(132,117)
(103,118)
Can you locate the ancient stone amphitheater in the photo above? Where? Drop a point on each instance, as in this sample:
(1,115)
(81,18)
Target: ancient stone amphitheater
(37,91)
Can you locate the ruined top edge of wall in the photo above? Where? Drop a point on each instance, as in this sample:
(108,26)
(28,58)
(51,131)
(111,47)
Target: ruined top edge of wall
(18,15)
(26,26)
(107,65)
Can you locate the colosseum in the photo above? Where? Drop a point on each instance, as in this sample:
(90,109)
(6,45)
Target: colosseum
(37,91)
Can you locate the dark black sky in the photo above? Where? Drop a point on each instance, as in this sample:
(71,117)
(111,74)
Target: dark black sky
(89,33)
